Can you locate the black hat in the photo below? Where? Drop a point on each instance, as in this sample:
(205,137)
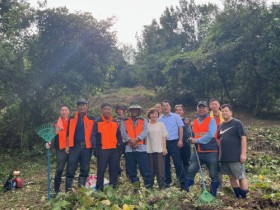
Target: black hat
(82,101)
(202,103)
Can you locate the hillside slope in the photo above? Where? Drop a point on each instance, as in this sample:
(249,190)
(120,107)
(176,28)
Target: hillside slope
(124,96)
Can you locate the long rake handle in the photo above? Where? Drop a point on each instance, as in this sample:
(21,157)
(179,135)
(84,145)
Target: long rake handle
(200,169)
(49,175)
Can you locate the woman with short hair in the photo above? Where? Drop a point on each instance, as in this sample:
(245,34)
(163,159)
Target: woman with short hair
(156,147)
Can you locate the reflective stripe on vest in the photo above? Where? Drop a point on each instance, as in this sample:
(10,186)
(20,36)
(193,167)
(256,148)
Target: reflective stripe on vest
(134,131)
(108,132)
(88,124)
(62,135)
(200,130)
(218,121)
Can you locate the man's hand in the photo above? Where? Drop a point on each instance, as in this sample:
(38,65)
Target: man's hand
(193,140)
(121,148)
(242,158)
(57,130)
(133,143)
(67,149)
(180,143)
(164,151)
(96,153)
(48,145)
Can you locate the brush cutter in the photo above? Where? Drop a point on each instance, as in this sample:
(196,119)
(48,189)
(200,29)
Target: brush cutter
(47,132)
(12,182)
(205,197)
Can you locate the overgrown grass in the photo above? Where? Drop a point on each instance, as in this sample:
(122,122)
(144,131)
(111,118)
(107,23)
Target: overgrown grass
(33,169)
(124,96)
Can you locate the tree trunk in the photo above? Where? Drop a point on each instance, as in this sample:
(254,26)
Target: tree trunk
(225,88)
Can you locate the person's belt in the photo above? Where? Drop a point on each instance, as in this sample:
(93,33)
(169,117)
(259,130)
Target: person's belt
(172,139)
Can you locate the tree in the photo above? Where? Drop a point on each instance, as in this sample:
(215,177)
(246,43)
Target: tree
(69,56)
(180,30)
(239,46)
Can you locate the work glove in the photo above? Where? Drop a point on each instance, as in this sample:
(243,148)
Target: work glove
(48,145)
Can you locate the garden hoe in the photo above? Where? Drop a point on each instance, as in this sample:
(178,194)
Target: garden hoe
(47,132)
(205,197)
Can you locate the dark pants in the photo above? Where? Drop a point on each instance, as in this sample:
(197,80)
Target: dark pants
(211,162)
(61,160)
(111,158)
(220,175)
(174,152)
(157,165)
(78,155)
(185,153)
(132,159)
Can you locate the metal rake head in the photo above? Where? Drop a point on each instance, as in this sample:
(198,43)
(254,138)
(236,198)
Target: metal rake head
(205,198)
(46,131)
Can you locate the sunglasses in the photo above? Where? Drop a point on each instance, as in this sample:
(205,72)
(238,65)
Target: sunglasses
(178,105)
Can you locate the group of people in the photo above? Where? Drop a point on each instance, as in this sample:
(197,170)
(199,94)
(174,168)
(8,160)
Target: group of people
(148,144)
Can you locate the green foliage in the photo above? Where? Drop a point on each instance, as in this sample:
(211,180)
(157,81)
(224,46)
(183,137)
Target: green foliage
(49,57)
(230,54)
(121,198)
(180,29)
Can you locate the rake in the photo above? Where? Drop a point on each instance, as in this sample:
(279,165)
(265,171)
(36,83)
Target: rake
(47,132)
(205,198)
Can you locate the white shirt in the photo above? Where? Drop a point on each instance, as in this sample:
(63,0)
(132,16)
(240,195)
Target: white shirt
(156,132)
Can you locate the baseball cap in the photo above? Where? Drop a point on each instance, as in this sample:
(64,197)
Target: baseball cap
(202,103)
(82,101)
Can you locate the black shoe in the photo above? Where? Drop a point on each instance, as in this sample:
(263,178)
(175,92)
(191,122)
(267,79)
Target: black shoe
(68,184)
(243,193)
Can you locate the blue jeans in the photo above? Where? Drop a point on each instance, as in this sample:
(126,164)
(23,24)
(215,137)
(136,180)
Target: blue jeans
(78,155)
(132,159)
(211,162)
(174,152)
(61,160)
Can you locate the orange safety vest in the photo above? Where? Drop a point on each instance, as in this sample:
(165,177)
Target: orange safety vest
(108,132)
(134,131)
(200,130)
(218,121)
(88,125)
(62,135)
